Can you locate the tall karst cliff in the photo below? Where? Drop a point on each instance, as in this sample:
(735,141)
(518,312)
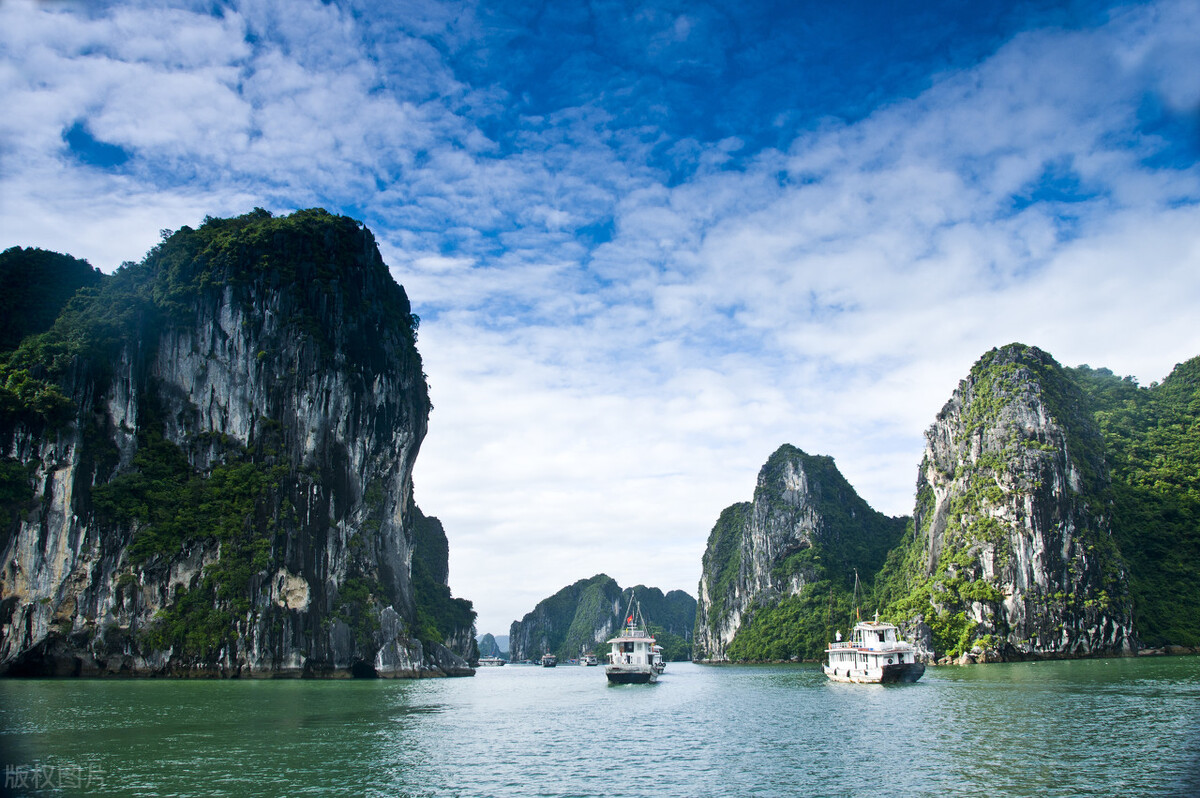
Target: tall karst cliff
(1013,553)
(778,573)
(207,465)
(582,616)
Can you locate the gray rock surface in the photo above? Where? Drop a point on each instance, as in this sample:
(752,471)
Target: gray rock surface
(1013,514)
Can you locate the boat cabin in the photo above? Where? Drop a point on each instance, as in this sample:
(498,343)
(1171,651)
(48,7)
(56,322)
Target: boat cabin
(877,635)
(633,647)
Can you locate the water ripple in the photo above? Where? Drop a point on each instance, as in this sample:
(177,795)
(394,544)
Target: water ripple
(1108,727)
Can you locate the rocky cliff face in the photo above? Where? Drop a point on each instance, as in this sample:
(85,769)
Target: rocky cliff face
(805,533)
(226,487)
(802,539)
(441,618)
(1013,554)
(581,617)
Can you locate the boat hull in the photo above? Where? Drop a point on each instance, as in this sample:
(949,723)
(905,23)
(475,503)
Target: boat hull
(907,672)
(630,675)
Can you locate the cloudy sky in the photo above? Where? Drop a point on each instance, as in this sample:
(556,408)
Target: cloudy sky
(650,242)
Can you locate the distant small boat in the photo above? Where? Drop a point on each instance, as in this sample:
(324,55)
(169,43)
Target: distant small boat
(488,662)
(589,659)
(549,661)
(874,654)
(631,660)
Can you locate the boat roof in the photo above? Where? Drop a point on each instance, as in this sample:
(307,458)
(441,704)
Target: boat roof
(875,624)
(629,634)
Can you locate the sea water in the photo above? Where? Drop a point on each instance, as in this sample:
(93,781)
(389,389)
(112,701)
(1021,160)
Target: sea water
(1112,727)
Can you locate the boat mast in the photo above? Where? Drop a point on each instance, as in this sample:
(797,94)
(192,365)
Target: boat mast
(857,614)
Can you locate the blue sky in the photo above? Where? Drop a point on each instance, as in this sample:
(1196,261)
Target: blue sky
(651,241)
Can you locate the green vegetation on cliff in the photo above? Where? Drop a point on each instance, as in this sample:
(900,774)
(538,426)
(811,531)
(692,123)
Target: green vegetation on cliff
(16,493)
(167,503)
(669,618)
(34,286)
(798,627)
(564,624)
(1152,438)
(723,555)
(310,248)
(1136,459)
(439,615)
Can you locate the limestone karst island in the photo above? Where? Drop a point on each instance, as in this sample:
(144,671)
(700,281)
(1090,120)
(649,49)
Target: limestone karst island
(206,469)
(208,462)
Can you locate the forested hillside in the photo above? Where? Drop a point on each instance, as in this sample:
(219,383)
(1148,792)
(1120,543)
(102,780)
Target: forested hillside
(1152,444)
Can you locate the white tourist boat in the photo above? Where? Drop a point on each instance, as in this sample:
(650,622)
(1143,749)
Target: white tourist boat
(490,662)
(549,660)
(874,654)
(589,659)
(631,658)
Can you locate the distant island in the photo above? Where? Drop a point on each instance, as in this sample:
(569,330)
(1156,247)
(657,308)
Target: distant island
(491,646)
(582,616)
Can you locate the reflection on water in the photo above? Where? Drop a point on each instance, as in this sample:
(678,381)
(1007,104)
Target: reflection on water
(1096,727)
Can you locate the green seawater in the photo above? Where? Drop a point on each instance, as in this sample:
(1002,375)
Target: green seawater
(1114,727)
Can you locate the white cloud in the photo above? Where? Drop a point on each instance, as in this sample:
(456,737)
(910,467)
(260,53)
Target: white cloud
(874,281)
